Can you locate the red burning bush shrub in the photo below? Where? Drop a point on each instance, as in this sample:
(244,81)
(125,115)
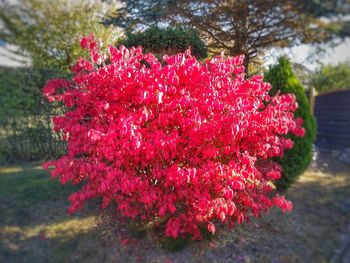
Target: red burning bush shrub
(181,143)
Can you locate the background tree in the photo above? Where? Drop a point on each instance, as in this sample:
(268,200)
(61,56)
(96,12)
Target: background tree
(241,26)
(49,31)
(331,78)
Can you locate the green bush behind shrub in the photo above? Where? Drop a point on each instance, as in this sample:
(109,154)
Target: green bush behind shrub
(296,160)
(25,116)
(169,40)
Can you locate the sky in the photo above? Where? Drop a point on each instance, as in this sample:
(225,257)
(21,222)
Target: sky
(299,54)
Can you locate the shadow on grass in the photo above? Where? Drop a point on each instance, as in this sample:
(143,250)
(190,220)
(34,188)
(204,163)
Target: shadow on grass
(327,163)
(34,225)
(27,190)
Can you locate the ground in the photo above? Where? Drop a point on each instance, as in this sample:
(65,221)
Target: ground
(34,225)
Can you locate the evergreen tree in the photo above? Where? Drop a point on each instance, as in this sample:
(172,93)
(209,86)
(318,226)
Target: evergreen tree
(297,159)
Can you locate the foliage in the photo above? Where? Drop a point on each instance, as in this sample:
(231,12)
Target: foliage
(182,145)
(49,30)
(166,41)
(241,27)
(328,8)
(25,120)
(295,160)
(334,10)
(331,78)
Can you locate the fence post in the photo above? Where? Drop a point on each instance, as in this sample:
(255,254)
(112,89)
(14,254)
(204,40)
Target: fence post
(312,99)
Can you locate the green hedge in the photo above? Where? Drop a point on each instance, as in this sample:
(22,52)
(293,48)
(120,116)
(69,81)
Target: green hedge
(25,119)
(166,41)
(330,78)
(297,159)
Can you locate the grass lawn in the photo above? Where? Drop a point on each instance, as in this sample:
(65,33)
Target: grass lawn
(34,225)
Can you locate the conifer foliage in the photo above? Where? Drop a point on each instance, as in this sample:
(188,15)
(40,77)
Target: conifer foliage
(296,160)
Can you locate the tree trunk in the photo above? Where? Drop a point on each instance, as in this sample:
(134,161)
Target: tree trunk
(246,64)
(68,59)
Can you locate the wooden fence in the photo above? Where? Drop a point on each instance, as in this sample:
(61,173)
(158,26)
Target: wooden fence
(332,112)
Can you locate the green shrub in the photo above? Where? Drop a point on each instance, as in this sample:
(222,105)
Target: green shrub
(296,160)
(25,119)
(166,41)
